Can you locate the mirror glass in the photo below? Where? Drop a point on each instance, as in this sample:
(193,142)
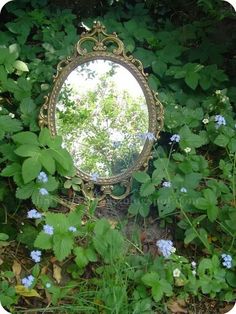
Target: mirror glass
(102,115)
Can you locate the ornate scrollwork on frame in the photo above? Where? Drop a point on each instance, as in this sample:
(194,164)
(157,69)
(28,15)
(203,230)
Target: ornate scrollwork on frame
(105,111)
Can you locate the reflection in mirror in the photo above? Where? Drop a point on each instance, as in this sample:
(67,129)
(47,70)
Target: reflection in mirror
(102,115)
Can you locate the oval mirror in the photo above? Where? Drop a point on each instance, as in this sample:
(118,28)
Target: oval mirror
(104,110)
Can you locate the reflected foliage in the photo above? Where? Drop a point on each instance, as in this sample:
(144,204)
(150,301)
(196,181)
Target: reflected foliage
(101,121)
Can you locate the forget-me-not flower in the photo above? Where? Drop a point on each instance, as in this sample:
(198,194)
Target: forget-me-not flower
(36,256)
(33,213)
(72,229)
(220,120)
(43,191)
(27,281)
(48,229)
(175,138)
(165,247)
(227,260)
(42,177)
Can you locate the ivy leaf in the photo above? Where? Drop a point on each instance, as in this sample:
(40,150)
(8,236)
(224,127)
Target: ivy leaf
(62,245)
(30,169)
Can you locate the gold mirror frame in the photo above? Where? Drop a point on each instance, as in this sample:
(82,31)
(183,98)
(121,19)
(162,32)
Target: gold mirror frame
(101,40)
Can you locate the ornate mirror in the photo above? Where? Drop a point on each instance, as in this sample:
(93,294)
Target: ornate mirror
(104,110)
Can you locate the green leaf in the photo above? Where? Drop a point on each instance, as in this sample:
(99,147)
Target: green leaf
(141,176)
(191,79)
(43,241)
(159,67)
(80,257)
(27,150)
(45,137)
(11,170)
(28,236)
(26,138)
(150,279)
(221,140)
(3,237)
(21,66)
(30,169)
(25,191)
(147,189)
(62,245)
(190,235)
(212,212)
(8,124)
(231,278)
(47,161)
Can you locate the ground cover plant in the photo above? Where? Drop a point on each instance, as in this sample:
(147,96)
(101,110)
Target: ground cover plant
(57,257)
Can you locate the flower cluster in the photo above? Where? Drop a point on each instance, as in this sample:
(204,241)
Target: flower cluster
(48,229)
(33,213)
(27,281)
(165,247)
(36,256)
(227,260)
(220,120)
(42,177)
(175,138)
(166,184)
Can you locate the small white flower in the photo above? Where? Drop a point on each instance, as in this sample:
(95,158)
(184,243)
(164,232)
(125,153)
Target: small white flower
(0,108)
(166,184)
(11,115)
(194,272)
(183,190)
(48,285)
(218,92)
(205,121)
(194,264)
(176,272)
(187,150)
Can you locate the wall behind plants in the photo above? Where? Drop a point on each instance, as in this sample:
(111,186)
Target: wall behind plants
(188,49)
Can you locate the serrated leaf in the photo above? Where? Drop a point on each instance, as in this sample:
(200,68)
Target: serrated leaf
(11,170)
(43,241)
(62,246)
(141,176)
(47,161)
(25,292)
(30,169)
(221,140)
(25,191)
(147,189)
(21,66)
(80,257)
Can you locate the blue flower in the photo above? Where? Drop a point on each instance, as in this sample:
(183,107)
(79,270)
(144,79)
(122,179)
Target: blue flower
(43,191)
(33,213)
(146,136)
(27,281)
(183,190)
(220,120)
(175,138)
(48,229)
(166,184)
(165,247)
(72,229)
(42,177)
(36,256)
(227,260)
